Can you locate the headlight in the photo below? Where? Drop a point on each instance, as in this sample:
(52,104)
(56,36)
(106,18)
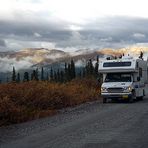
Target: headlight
(129,88)
(103,89)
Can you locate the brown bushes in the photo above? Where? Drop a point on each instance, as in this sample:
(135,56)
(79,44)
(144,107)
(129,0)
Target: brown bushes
(31,100)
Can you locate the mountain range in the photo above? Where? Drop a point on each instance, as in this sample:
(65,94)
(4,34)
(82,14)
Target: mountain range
(31,58)
(42,57)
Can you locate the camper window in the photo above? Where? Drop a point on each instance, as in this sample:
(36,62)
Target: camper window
(138,78)
(118,77)
(116,64)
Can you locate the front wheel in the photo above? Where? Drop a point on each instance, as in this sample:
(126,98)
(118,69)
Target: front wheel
(132,97)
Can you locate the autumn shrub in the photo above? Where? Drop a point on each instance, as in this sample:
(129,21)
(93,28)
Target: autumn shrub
(21,102)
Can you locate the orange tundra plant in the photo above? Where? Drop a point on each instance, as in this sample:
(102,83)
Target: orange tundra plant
(21,102)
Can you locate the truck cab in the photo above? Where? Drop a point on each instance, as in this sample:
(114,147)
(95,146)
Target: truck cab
(123,79)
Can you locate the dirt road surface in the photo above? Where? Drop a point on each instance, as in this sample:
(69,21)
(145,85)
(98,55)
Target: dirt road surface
(91,125)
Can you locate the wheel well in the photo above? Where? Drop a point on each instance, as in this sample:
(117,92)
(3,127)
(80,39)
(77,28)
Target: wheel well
(143,92)
(133,91)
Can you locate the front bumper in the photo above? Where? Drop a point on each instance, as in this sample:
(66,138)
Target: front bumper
(118,96)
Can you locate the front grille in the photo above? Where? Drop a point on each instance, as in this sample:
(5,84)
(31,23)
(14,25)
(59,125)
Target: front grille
(115,90)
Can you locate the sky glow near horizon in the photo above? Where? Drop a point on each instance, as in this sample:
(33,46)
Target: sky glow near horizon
(69,24)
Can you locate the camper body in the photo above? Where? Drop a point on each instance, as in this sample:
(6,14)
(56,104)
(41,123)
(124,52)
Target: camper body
(124,78)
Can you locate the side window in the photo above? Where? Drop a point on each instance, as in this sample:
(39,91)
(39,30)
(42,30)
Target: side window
(140,72)
(137,65)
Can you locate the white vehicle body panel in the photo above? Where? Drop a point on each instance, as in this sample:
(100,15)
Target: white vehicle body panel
(137,68)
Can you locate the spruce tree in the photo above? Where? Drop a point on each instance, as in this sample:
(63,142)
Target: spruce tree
(34,75)
(13,75)
(66,73)
(69,72)
(55,76)
(51,74)
(47,77)
(87,71)
(18,78)
(83,73)
(62,76)
(58,75)
(91,68)
(73,73)
(42,74)
(26,77)
(80,74)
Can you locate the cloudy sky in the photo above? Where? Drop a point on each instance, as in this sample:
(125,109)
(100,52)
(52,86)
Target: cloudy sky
(73,24)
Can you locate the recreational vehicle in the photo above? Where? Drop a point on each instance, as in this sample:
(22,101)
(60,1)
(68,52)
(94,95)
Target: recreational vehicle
(125,78)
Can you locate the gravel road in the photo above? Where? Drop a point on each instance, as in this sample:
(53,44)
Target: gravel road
(91,125)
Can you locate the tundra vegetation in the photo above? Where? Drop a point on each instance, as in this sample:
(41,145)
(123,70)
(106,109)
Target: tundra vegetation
(34,97)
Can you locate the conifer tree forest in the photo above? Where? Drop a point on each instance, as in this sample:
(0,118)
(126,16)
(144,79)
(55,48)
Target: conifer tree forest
(66,74)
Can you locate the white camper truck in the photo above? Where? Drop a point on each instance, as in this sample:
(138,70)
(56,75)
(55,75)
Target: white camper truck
(124,78)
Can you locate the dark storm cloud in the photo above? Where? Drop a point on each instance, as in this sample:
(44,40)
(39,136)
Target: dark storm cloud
(116,30)
(112,32)
(118,23)
(56,35)
(27,29)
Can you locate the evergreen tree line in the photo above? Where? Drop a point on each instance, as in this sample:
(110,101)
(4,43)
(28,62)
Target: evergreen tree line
(65,75)
(27,76)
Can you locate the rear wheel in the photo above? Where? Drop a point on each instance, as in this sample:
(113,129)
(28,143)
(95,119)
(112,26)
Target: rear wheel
(104,100)
(141,98)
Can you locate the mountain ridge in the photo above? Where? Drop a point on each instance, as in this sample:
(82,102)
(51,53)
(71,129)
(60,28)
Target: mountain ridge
(37,57)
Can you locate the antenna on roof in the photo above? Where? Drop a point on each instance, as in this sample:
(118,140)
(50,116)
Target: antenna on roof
(108,58)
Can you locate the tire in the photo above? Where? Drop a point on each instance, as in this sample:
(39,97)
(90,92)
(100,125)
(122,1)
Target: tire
(141,98)
(131,99)
(104,100)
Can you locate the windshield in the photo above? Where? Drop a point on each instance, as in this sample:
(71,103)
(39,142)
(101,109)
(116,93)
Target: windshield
(118,77)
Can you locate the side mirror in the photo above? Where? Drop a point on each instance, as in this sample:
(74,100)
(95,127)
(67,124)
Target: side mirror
(138,78)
